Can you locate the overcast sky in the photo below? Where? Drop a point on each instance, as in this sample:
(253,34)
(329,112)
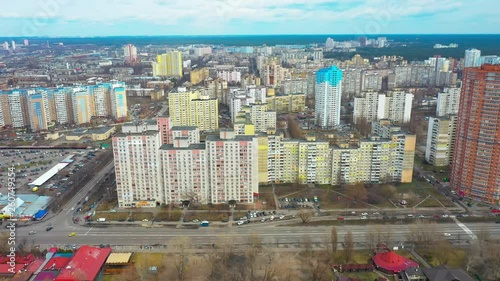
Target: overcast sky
(227,17)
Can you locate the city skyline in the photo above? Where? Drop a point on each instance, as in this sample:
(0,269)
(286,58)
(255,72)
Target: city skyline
(235,17)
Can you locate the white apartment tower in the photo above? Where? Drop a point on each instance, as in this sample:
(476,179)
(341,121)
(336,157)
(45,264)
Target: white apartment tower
(233,167)
(440,140)
(184,172)
(448,102)
(328,97)
(138,169)
(472,58)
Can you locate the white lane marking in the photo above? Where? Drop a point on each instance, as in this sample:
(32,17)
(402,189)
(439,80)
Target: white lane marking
(88,231)
(466,229)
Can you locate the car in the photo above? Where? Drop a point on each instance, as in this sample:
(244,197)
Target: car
(282,217)
(376,213)
(444,216)
(49,228)
(145,220)
(263,220)
(364,214)
(32,232)
(71,234)
(421,216)
(240,222)
(410,215)
(447,234)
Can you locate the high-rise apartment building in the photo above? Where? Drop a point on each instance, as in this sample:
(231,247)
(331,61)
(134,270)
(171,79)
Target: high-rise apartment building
(476,159)
(118,101)
(130,53)
(472,58)
(440,140)
(169,64)
(328,91)
(233,167)
(193,109)
(102,100)
(138,169)
(185,172)
(83,105)
(39,111)
(448,102)
(395,105)
(64,105)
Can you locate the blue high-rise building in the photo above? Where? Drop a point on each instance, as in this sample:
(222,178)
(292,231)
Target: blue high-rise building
(328,97)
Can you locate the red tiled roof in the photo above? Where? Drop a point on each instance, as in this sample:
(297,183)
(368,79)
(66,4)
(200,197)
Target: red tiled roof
(391,261)
(32,267)
(85,264)
(19,259)
(57,263)
(5,268)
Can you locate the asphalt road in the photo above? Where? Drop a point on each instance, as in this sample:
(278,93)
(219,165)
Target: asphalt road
(270,233)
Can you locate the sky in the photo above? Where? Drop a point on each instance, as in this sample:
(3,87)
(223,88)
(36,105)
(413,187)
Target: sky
(75,18)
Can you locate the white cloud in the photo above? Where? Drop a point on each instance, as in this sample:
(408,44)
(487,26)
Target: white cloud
(219,12)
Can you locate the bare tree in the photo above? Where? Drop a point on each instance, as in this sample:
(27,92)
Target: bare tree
(423,233)
(252,253)
(180,259)
(357,192)
(483,236)
(348,246)
(305,215)
(334,239)
(442,250)
(370,238)
(472,256)
(493,261)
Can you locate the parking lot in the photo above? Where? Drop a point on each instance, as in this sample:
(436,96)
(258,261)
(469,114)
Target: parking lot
(31,164)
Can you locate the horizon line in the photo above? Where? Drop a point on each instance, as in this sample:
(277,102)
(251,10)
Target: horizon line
(240,35)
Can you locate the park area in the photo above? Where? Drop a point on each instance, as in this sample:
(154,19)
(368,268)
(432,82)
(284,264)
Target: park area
(418,194)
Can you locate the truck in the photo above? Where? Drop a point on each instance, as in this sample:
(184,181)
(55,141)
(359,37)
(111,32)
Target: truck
(101,220)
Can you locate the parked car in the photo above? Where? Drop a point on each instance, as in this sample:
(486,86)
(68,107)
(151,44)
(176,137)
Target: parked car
(49,228)
(32,232)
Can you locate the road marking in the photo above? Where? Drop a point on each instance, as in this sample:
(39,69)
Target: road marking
(88,231)
(465,228)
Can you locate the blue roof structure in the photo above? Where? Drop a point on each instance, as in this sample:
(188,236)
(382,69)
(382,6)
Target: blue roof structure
(332,74)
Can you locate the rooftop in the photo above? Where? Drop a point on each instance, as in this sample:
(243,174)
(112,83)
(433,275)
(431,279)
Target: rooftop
(49,174)
(181,128)
(193,146)
(443,273)
(119,258)
(85,264)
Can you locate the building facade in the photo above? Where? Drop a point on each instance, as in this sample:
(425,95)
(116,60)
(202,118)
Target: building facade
(328,91)
(476,159)
(440,140)
(169,64)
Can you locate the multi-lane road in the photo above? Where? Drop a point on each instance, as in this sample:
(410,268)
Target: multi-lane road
(270,233)
(275,232)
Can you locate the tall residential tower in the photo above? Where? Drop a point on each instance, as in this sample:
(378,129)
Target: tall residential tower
(476,158)
(328,97)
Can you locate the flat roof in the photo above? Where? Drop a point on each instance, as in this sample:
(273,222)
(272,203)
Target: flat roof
(49,174)
(119,258)
(68,159)
(102,130)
